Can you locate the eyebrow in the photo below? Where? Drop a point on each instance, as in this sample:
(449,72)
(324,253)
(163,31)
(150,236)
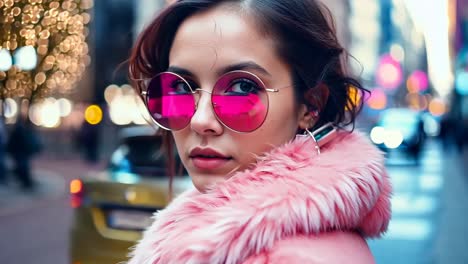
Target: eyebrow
(248,65)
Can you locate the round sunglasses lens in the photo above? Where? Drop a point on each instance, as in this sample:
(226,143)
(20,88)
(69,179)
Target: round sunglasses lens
(170,101)
(240,101)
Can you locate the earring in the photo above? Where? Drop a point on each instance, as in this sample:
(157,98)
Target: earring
(309,134)
(314,113)
(317,147)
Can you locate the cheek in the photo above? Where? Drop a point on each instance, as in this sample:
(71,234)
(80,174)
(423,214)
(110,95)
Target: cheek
(180,142)
(279,128)
(282,120)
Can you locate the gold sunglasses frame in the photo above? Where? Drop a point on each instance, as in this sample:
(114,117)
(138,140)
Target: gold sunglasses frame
(144,94)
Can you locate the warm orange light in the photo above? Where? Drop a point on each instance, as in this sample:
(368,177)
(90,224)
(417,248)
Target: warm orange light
(93,114)
(437,107)
(76,186)
(416,101)
(377,100)
(411,85)
(354,96)
(75,201)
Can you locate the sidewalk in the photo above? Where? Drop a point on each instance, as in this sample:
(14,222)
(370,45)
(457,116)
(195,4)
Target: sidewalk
(452,239)
(52,177)
(49,186)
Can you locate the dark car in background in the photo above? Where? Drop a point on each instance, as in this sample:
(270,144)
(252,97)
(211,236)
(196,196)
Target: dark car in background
(113,207)
(400,129)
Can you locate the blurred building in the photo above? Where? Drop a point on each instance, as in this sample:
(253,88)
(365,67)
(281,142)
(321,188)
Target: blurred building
(460,50)
(459,99)
(340,10)
(393,42)
(386,38)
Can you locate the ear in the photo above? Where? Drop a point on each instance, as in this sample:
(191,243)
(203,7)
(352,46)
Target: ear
(316,99)
(305,117)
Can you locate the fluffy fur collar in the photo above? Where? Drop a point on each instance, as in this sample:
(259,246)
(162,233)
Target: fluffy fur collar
(291,191)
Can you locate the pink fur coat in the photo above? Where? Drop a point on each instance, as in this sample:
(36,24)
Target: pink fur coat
(294,206)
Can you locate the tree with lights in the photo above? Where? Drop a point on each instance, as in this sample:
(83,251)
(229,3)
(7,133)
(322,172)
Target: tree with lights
(43,52)
(43,49)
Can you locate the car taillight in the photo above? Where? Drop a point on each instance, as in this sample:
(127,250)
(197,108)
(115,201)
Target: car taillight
(76,192)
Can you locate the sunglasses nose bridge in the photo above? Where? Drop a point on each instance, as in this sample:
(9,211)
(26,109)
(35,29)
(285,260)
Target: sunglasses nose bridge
(197,95)
(204,116)
(203,90)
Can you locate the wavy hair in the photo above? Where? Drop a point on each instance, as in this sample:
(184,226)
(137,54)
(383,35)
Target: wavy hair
(305,38)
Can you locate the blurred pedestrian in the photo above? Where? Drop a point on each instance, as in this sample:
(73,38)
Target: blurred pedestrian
(255,96)
(87,141)
(3,142)
(23,145)
(446,133)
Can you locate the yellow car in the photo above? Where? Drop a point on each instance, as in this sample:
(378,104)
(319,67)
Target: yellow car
(112,208)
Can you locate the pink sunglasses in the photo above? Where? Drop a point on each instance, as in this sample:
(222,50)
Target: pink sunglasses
(239,100)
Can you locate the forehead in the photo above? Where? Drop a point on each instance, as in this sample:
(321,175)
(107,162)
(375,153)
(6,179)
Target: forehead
(223,34)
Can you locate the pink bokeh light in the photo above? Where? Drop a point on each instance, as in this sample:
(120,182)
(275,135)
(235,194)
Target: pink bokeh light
(389,73)
(419,80)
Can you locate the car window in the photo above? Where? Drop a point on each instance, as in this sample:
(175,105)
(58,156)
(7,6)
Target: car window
(145,151)
(141,155)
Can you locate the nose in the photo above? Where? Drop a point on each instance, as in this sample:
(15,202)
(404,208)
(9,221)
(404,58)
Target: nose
(204,121)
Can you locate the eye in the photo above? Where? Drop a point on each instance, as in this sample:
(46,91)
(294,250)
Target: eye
(243,87)
(180,87)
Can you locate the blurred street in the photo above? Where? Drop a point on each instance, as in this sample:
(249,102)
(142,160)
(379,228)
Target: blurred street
(68,110)
(428,225)
(35,226)
(429,209)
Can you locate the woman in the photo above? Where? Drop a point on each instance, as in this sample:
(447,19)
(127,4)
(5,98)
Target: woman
(243,87)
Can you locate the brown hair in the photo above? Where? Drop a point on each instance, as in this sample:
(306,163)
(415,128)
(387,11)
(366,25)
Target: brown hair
(305,37)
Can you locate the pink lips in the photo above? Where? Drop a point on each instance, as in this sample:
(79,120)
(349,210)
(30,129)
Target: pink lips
(208,159)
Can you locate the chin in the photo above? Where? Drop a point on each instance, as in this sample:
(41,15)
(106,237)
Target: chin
(203,182)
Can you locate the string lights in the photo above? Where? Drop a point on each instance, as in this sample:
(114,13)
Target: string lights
(43,46)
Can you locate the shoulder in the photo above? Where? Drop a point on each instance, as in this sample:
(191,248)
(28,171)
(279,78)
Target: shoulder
(330,247)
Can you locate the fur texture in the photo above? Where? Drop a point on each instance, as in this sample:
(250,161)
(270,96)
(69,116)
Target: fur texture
(291,192)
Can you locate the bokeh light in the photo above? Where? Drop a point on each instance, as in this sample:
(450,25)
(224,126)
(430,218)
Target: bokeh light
(50,113)
(93,114)
(120,111)
(25,58)
(461,82)
(125,107)
(417,82)
(437,107)
(65,107)
(377,99)
(47,40)
(76,186)
(416,101)
(389,73)
(397,52)
(378,135)
(393,139)
(111,92)
(141,114)
(11,108)
(35,114)
(5,60)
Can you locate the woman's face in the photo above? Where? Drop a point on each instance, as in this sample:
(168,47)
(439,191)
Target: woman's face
(204,45)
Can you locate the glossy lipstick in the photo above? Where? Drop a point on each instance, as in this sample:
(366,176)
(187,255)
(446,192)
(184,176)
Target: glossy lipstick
(208,159)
